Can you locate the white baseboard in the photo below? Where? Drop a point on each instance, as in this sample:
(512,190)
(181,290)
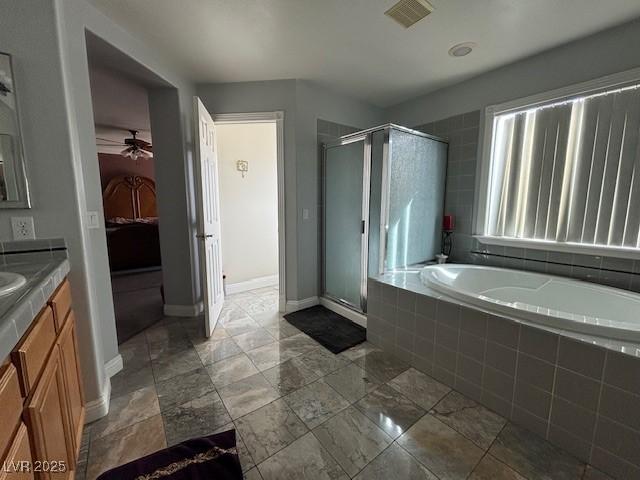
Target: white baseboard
(295,305)
(98,408)
(355,317)
(260,282)
(183,310)
(113,366)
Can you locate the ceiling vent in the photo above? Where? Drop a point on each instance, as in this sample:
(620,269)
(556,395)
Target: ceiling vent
(408,12)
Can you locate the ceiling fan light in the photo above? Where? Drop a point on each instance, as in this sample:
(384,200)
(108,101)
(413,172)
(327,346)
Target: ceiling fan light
(135,153)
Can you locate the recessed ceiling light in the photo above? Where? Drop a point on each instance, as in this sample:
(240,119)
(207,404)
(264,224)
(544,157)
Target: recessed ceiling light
(462,49)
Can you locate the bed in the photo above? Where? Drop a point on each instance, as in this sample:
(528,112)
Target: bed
(131,221)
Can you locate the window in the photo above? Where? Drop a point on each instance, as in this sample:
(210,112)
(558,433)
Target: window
(563,172)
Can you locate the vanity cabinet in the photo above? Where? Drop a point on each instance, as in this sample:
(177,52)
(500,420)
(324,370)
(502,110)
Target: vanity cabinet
(41,387)
(19,454)
(47,419)
(68,346)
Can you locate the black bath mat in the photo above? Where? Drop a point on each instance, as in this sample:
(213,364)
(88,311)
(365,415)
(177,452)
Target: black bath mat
(329,329)
(214,456)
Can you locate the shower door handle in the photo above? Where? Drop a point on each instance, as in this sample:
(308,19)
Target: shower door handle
(362,227)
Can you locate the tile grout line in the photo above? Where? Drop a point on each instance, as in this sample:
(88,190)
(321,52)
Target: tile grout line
(515,373)
(597,420)
(487,452)
(309,430)
(348,362)
(553,389)
(413,456)
(458,353)
(153,373)
(484,354)
(183,329)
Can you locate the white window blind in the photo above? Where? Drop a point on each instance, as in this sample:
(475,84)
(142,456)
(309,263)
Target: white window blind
(568,172)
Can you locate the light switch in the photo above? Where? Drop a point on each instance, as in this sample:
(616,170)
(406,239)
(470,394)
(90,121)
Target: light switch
(305,214)
(93,220)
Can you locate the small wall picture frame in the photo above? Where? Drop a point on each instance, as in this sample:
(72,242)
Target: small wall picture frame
(242,166)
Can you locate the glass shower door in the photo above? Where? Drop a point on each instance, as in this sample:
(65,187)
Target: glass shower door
(416,179)
(344,174)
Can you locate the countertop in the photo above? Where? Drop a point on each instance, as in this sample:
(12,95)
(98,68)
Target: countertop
(17,310)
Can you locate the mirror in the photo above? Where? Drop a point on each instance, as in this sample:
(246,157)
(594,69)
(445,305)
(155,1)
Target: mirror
(14,191)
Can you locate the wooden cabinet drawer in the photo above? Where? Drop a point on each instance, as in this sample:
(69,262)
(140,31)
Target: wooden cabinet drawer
(60,301)
(18,463)
(10,406)
(30,356)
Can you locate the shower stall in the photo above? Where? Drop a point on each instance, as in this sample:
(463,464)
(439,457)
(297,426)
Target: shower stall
(383,196)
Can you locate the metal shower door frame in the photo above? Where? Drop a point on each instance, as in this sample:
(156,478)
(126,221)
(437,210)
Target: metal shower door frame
(385,197)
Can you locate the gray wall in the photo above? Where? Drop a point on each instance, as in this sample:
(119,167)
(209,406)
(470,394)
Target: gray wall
(170,125)
(47,40)
(454,113)
(303,103)
(601,54)
(28,31)
(315,103)
(77,17)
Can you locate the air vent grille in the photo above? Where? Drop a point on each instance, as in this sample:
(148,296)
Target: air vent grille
(408,12)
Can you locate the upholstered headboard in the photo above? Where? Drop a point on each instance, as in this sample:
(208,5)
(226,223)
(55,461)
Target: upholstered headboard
(131,197)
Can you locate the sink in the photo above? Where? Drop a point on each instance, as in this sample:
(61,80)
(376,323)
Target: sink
(10,282)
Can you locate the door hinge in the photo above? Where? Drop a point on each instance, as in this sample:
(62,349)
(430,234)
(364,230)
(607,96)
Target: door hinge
(200,235)
(363,227)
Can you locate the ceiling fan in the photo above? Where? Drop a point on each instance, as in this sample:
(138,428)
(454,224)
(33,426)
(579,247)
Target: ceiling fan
(135,148)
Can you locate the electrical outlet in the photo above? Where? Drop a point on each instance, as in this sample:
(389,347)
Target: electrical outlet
(23,228)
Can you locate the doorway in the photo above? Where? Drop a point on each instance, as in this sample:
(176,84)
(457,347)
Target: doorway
(127,173)
(250,184)
(257,141)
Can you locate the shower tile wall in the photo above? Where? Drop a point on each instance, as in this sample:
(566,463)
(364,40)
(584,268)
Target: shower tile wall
(327,132)
(462,131)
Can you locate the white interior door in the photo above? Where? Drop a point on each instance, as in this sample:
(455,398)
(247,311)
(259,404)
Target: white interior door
(208,207)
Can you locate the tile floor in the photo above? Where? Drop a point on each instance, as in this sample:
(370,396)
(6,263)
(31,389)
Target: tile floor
(303,413)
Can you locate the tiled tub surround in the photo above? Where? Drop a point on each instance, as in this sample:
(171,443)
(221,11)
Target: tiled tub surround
(44,264)
(582,398)
(462,131)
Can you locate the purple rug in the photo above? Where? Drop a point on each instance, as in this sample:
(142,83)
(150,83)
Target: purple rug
(209,457)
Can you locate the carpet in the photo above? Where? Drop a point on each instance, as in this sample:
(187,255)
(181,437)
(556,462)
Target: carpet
(329,329)
(214,456)
(137,302)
